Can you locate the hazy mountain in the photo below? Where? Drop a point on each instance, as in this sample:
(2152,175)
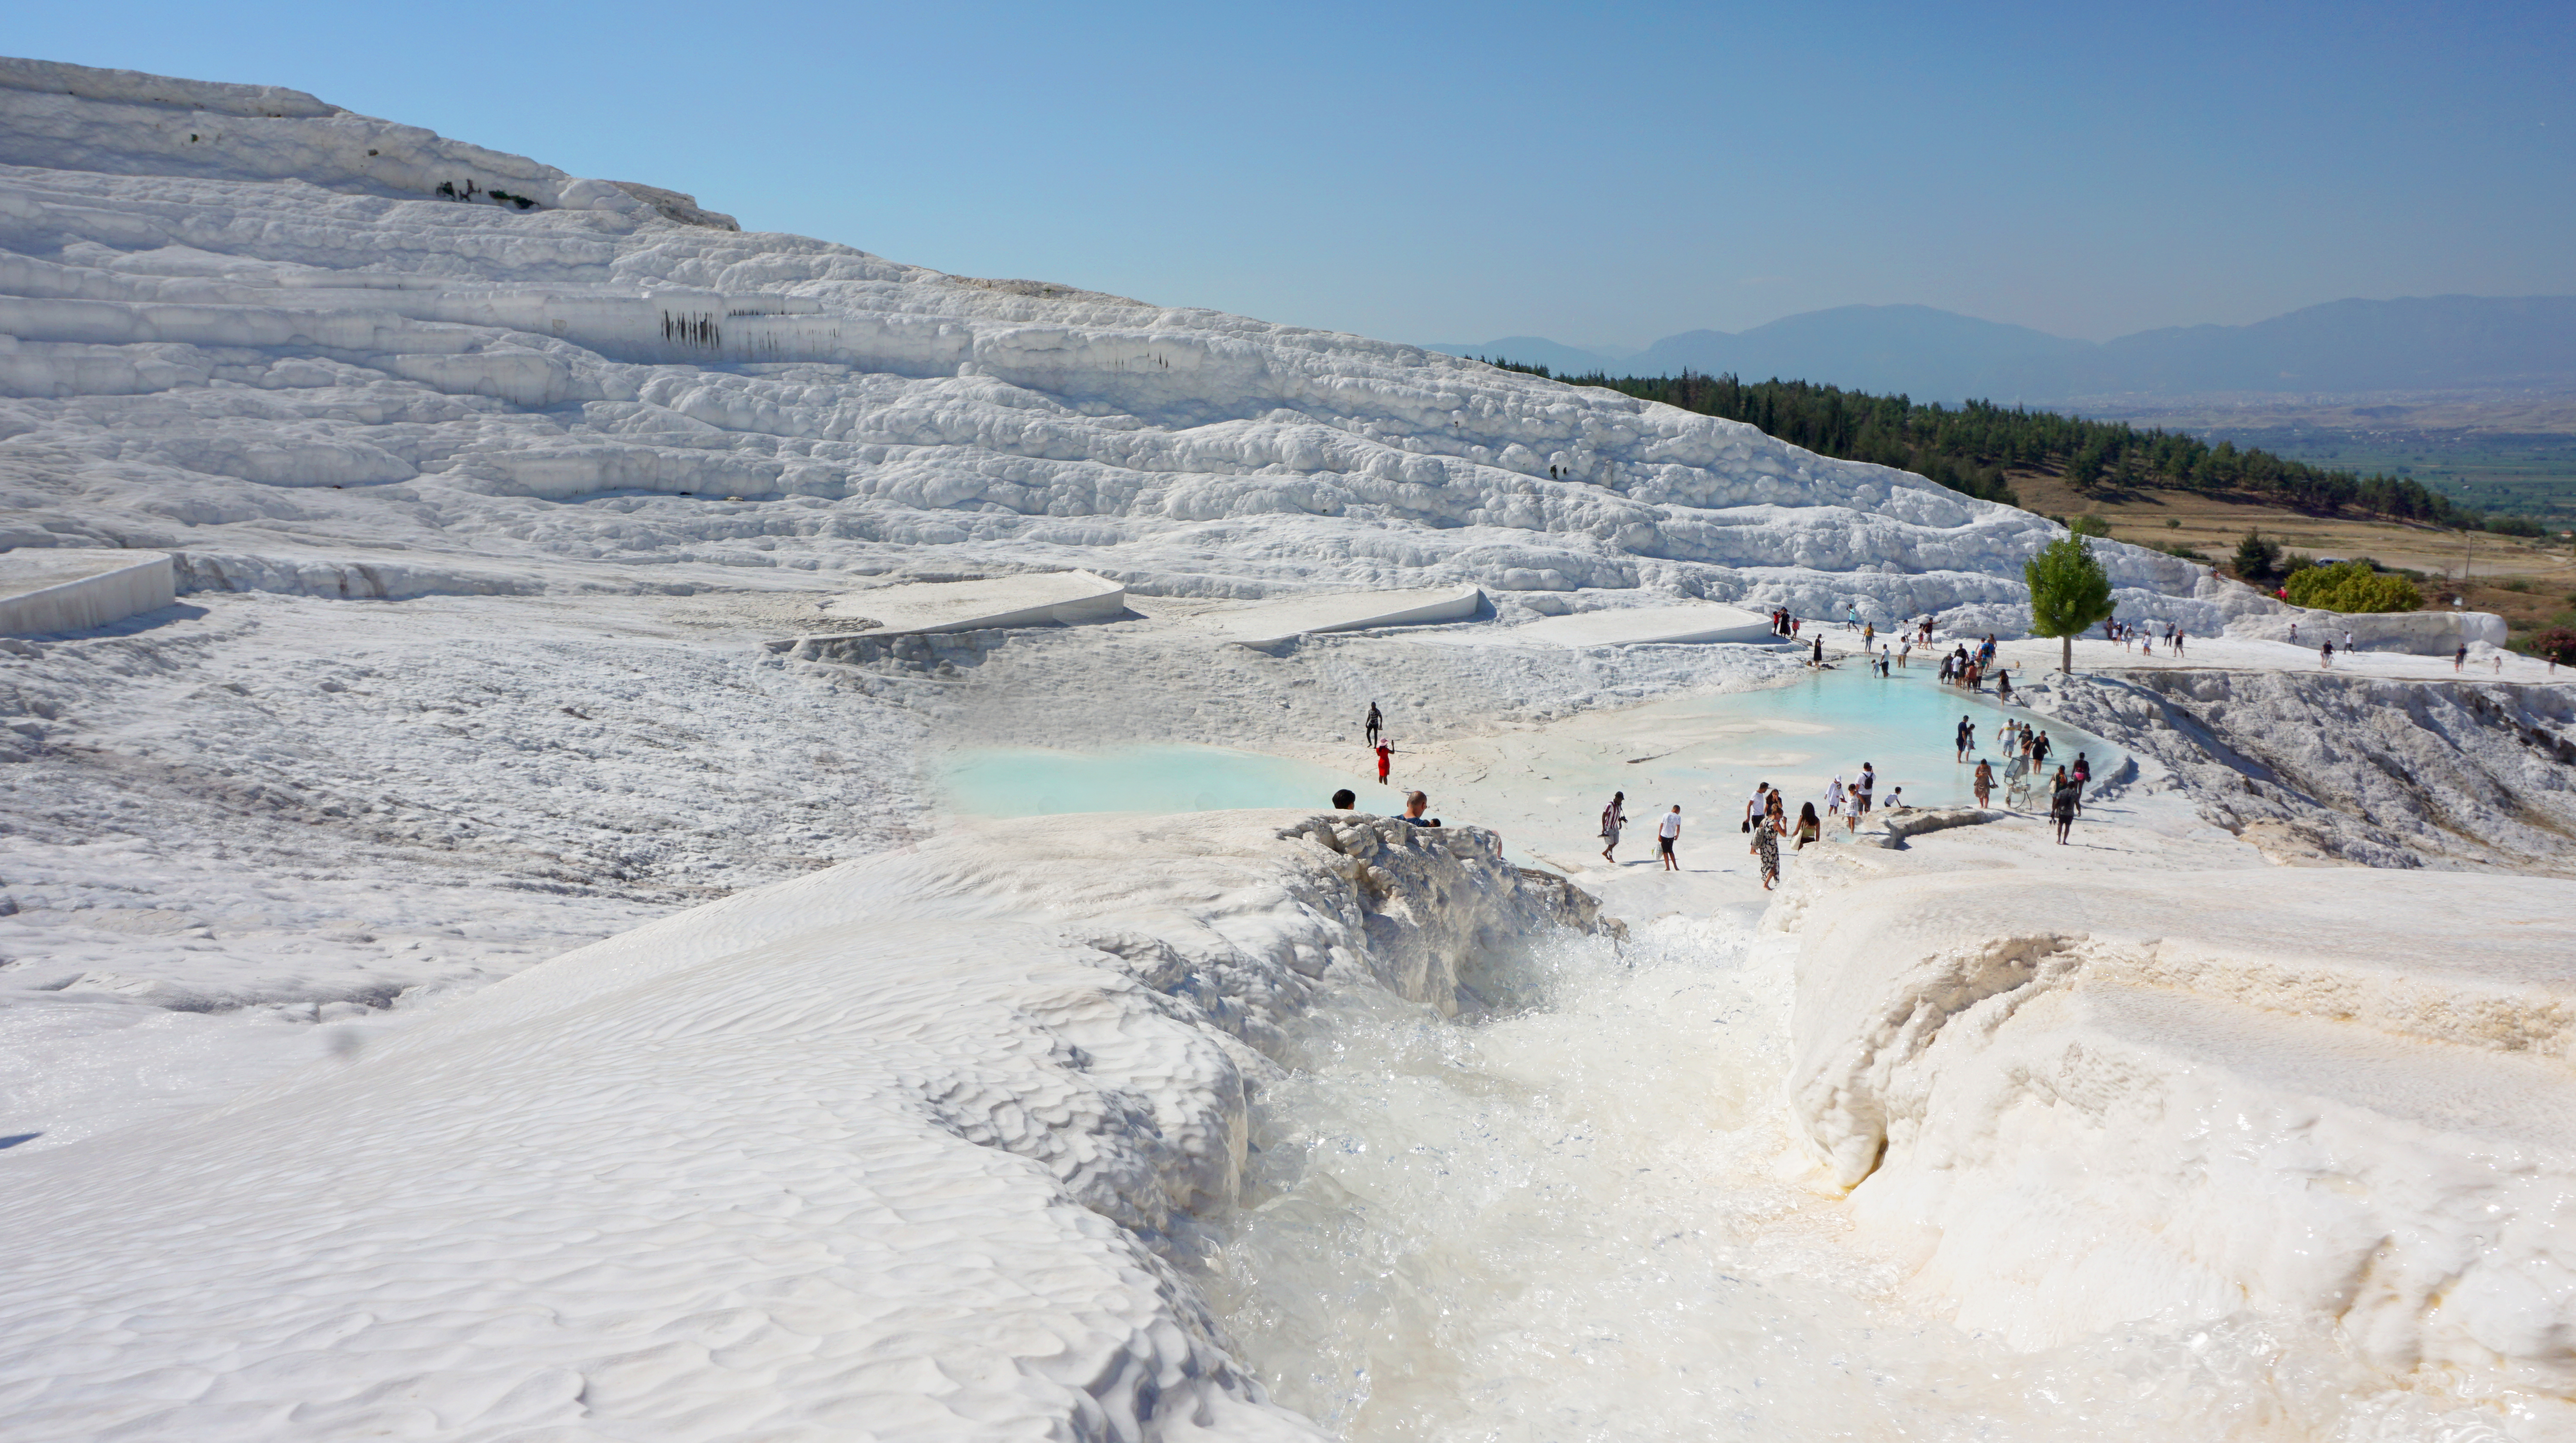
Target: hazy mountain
(2411,344)
(1914,349)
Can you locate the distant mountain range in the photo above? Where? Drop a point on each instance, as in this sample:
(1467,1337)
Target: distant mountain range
(2414,344)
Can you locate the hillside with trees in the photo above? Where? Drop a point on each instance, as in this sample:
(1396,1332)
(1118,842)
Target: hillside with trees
(1970,447)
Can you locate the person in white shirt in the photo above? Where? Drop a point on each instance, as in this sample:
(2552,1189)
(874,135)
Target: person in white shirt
(1668,832)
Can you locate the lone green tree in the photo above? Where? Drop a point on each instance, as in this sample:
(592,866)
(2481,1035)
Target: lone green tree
(2069,591)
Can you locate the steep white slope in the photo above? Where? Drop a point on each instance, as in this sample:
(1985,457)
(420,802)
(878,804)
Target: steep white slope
(880,1152)
(248,325)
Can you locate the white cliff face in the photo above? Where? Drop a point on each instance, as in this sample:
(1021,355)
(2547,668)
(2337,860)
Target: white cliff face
(2320,768)
(247,325)
(2072,1101)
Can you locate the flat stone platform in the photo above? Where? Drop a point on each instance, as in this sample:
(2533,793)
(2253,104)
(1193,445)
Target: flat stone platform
(1270,621)
(1701,621)
(54,589)
(1042,599)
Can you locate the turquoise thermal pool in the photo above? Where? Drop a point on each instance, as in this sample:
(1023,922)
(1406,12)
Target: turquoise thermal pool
(1043,781)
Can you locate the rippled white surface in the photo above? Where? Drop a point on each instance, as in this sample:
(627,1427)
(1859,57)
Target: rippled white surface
(1580,1214)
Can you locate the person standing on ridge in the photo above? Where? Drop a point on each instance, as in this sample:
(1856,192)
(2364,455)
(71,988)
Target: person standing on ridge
(1613,817)
(1818,660)
(1384,752)
(1668,832)
(1376,724)
(2460,657)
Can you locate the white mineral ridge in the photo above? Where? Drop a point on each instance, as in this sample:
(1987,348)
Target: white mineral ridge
(1041,599)
(242,323)
(872,1153)
(1272,621)
(2077,1101)
(75,588)
(1636,626)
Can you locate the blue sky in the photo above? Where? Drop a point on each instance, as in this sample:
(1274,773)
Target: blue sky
(1602,175)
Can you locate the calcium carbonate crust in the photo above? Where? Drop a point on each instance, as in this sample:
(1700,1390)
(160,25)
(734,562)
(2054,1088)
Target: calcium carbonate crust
(2069,1102)
(883,1151)
(244,323)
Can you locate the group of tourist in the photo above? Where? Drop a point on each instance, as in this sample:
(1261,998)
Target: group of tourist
(1968,669)
(2129,634)
(1668,831)
(1767,821)
(2026,752)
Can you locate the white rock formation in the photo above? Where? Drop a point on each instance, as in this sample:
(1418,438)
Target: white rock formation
(2075,1101)
(2328,768)
(881,1149)
(244,324)
(1046,598)
(78,588)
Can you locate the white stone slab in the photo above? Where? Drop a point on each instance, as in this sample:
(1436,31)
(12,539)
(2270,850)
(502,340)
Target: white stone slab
(1636,626)
(1270,621)
(51,589)
(1042,599)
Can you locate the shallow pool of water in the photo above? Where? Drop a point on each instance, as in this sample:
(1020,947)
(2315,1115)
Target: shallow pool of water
(1800,735)
(1043,781)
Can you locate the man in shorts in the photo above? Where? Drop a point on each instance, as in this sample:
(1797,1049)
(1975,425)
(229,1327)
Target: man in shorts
(1667,832)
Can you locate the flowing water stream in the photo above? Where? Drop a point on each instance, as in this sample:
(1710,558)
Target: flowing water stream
(1578,1212)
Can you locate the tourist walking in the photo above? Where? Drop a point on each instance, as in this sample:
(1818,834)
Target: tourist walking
(2080,774)
(1668,832)
(1755,810)
(2325,657)
(1766,846)
(1985,782)
(2460,657)
(2061,805)
(1376,724)
(1965,738)
(1613,817)
(1861,789)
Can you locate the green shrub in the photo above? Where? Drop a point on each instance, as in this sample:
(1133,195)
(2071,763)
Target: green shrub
(2089,525)
(2352,586)
(2173,523)
(2558,645)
